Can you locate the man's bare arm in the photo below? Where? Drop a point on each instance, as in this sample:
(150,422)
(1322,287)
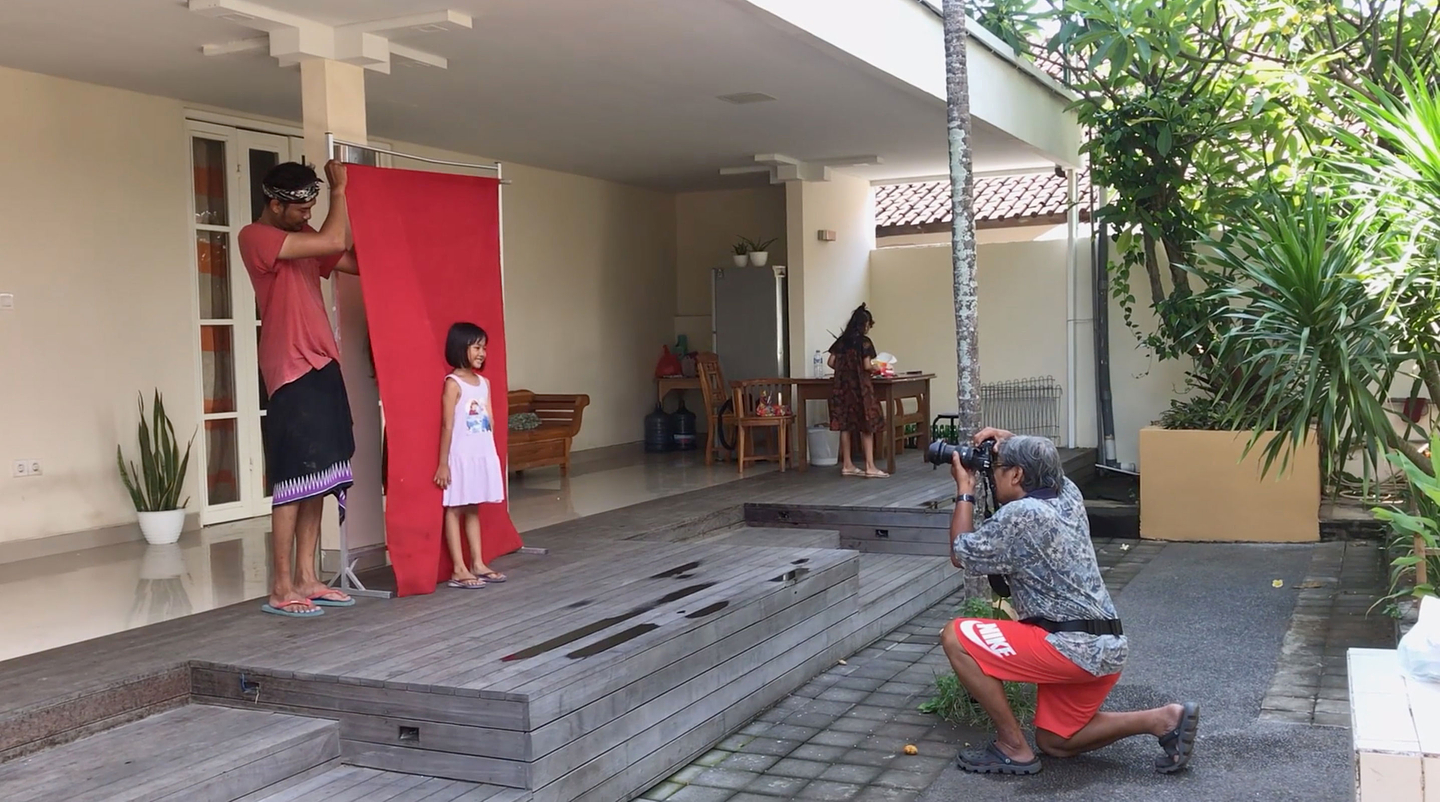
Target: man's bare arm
(348,264)
(334,236)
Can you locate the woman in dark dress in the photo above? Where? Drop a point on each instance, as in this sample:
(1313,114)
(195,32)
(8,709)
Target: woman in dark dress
(853,405)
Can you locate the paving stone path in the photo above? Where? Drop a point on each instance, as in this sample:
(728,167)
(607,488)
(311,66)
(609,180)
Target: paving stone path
(1336,611)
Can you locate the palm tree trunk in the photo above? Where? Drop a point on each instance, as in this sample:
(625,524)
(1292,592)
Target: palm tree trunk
(962,240)
(962,195)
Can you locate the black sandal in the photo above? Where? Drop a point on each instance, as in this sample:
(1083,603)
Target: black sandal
(1179,743)
(991,760)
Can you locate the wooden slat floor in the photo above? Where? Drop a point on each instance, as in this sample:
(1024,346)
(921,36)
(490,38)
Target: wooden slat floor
(915,485)
(229,634)
(450,641)
(356,784)
(185,754)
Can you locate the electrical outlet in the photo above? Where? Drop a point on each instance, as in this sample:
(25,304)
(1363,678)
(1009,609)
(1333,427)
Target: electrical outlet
(35,467)
(21,469)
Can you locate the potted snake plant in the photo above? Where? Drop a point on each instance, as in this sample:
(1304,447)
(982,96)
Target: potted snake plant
(156,483)
(740,253)
(759,251)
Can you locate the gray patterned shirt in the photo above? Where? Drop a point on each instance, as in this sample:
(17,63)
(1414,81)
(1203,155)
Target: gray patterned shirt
(1043,548)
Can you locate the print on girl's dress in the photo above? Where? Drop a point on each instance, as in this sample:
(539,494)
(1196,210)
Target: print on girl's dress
(477,419)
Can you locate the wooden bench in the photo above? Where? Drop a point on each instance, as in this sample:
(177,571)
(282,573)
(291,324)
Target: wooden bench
(550,444)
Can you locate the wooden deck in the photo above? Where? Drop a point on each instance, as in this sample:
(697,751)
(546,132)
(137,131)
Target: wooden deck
(643,637)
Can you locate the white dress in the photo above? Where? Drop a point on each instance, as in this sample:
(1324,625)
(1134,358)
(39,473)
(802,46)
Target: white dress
(475,473)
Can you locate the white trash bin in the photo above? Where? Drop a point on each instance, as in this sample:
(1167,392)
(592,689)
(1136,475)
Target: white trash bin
(824,446)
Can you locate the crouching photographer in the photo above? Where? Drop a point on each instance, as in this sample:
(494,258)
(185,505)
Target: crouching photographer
(1068,642)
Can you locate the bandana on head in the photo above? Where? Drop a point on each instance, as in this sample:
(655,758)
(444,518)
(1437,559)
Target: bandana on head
(304,194)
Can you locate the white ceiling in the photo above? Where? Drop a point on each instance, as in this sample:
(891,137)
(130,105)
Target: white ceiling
(617,89)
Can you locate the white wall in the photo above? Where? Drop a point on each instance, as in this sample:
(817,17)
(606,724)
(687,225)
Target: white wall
(707,224)
(1022,327)
(827,279)
(1022,313)
(94,244)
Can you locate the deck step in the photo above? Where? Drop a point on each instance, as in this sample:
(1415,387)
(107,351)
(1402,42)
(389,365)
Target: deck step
(357,784)
(777,537)
(191,754)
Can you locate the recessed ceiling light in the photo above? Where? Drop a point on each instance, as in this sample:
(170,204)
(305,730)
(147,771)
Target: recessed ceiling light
(236,17)
(428,28)
(742,98)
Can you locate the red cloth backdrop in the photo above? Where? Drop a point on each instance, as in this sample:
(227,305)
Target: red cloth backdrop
(428,245)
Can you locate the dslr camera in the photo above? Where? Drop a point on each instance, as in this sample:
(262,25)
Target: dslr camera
(978,458)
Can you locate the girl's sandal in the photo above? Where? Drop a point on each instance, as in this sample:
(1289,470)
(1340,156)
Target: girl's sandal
(851,472)
(878,474)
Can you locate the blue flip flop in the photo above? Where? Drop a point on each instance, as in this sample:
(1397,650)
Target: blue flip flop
(321,601)
(315,613)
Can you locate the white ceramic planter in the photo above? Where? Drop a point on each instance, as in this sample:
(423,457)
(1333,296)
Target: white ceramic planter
(759,258)
(162,528)
(740,259)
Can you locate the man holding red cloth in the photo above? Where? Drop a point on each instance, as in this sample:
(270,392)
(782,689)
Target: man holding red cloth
(309,438)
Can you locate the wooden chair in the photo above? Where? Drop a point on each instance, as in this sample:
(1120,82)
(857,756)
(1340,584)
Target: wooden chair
(748,396)
(897,418)
(715,392)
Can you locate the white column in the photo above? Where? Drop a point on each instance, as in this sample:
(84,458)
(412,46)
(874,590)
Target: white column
(1072,228)
(333,100)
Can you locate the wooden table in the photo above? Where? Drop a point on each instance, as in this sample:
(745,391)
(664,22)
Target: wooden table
(669,384)
(888,392)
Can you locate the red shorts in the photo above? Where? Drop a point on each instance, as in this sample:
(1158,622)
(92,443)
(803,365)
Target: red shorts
(1067,696)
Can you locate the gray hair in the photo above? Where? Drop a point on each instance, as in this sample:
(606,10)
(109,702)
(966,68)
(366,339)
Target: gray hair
(1037,457)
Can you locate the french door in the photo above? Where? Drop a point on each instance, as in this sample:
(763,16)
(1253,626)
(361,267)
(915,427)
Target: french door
(227,166)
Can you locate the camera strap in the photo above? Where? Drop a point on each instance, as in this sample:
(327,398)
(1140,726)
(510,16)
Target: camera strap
(1090,626)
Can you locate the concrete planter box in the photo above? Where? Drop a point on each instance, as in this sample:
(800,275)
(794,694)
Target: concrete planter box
(1194,485)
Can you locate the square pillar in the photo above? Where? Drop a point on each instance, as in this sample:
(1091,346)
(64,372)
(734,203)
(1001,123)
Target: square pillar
(333,100)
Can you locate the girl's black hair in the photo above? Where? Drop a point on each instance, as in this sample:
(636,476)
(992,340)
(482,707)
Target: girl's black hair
(853,338)
(458,342)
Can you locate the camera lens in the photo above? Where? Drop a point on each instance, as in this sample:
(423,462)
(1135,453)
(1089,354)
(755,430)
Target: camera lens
(974,458)
(941,452)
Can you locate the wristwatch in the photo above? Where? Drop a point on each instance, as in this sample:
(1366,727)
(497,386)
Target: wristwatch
(964,497)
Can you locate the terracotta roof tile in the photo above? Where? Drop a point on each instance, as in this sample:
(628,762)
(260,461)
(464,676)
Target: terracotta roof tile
(999,200)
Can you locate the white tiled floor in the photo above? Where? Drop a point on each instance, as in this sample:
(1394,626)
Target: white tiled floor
(1396,741)
(80,595)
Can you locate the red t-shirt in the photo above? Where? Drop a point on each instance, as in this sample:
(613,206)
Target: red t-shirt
(295,334)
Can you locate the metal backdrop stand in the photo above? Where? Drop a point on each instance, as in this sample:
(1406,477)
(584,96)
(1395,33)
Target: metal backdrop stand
(345,578)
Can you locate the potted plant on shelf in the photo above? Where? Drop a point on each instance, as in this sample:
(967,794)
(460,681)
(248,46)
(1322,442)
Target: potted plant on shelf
(156,483)
(758,251)
(740,251)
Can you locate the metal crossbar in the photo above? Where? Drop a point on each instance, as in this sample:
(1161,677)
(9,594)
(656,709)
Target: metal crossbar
(1023,406)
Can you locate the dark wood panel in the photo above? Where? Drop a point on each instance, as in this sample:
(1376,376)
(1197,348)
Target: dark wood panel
(222,685)
(193,753)
(670,743)
(700,676)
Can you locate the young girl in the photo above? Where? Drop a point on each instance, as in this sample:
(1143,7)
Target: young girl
(469,469)
(853,405)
